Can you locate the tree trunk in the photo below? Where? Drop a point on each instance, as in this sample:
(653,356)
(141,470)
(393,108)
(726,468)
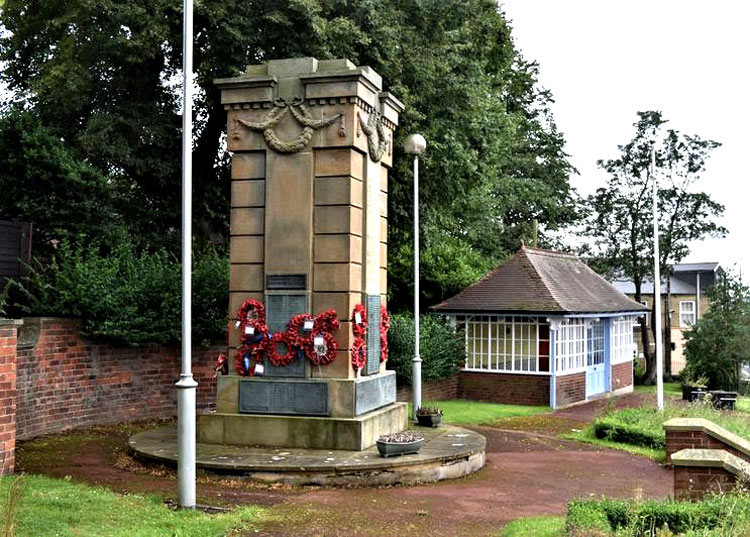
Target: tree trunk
(668,331)
(648,357)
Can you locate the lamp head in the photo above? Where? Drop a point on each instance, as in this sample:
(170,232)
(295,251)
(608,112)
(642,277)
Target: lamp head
(415,144)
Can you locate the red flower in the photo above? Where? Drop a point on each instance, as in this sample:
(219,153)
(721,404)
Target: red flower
(323,356)
(359,354)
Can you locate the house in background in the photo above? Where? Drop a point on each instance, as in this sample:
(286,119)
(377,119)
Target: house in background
(544,329)
(684,299)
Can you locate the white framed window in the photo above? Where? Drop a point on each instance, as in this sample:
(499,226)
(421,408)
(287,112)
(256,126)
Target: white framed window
(570,346)
(595,343)
(687,313)
(621,342)
(513,344)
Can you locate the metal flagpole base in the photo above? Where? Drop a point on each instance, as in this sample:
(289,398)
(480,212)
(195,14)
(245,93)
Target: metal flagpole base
(186,440)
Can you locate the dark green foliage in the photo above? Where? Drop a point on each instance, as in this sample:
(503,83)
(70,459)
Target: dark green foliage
(719,343)
(99,77)
(619,430)
(128,295)
(441,348)
(721,515)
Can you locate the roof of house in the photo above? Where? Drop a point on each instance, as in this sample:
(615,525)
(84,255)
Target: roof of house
(682,282)
(540,281)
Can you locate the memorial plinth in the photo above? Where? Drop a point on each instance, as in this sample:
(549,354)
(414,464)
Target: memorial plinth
(311,145)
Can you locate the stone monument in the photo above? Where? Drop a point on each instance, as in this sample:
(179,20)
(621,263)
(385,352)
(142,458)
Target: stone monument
(311,145)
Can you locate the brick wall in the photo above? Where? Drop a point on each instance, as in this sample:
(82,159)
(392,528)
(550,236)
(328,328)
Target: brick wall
(622,375)
(432,390)
(570,389)
(66,381)
(8,334)
(694,482)
(505,388)
(678,440)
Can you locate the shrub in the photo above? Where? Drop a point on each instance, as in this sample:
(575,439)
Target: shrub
(127,295)
(725,515)
(441,348)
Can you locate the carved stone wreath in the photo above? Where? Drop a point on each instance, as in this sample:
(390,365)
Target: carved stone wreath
(377,143)
(281,107)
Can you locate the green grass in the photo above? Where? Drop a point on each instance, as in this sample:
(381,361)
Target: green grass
(587,437)
(743,404)
(670,388)
(53,507)
(462,412)
(538,526)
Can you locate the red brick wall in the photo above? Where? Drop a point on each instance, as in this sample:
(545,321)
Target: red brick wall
(66,381)
(7,396)
(432,390)
(677,440)
(570,389)
(507,388)
(694,482)
(622,375)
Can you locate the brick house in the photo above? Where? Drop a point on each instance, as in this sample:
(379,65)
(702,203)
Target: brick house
(544,329)
(684,300)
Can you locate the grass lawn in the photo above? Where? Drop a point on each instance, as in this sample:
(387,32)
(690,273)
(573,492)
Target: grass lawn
(539,526)
(54,507)
(670,388)
(462,412)
(587,437)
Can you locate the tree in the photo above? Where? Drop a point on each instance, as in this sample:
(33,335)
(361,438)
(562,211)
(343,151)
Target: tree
(620,218)
(719,343)
(100,76)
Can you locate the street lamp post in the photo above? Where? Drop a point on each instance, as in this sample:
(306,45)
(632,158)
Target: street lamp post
(415,144)
(657,290)
(186,386)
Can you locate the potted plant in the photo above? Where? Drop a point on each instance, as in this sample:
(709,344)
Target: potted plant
(429,415)
(405,443)
(693,389)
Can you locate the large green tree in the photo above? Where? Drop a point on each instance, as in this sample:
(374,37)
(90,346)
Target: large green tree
(621,215)
(101,76)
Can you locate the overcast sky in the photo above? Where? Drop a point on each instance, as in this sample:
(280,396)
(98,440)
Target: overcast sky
(604,61)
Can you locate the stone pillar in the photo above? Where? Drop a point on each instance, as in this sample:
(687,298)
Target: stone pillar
(312,143)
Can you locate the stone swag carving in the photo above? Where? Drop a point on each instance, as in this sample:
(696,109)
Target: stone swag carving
(375,132)
(281,107)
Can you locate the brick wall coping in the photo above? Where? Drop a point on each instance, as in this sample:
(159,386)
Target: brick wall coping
(11,322)
(712,458)
(711,429)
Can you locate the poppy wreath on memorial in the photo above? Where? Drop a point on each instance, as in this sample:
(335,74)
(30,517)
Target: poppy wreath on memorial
(358,353)
(298,333)
(253,334)
(328,321)
(247,358)
(359,321)
(385,323)
(282,359)
(321,354)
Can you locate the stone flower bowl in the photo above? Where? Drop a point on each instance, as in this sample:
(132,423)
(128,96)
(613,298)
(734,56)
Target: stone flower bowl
(392,445)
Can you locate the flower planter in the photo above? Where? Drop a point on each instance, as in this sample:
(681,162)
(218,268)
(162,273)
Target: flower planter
(400,444)
(429,420)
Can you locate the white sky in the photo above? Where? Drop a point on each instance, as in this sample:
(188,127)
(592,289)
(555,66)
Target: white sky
(606,60)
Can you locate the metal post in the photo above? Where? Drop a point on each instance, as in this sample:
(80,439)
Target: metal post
(186,386)
(415,144)
(417,360)
(657,291)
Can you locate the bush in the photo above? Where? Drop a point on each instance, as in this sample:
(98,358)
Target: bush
(441,348)
(126,295)
(726,515)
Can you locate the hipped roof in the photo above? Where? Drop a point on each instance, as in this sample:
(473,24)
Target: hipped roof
(541,281)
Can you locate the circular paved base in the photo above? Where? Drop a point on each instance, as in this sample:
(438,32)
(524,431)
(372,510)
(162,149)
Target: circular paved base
(448,452)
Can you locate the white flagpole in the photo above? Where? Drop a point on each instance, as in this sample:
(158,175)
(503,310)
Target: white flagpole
(657,291)
(186,386)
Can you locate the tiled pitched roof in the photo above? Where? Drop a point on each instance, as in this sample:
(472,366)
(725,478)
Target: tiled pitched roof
(540,281)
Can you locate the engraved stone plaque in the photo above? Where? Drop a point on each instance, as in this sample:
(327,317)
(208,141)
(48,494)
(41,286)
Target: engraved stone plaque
(374,392)
(260,396)
(373,335)
(279,310)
